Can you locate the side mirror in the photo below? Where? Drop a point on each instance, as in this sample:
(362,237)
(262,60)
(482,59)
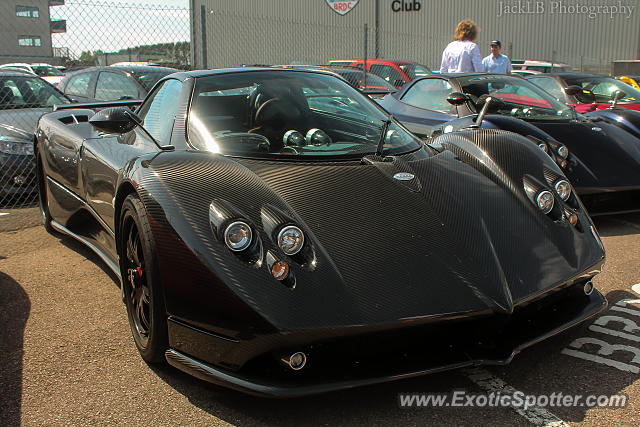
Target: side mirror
(572,90)
(458,98)
(115,120)
(617,96)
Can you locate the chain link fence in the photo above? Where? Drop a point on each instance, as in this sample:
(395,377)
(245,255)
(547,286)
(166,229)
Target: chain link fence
(67,37)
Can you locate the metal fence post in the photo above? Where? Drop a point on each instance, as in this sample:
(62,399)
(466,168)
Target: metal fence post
(366,34)
(377,30)
(203,23)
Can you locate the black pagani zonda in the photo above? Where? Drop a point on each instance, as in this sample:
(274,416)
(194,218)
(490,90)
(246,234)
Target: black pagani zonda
(276,232)
(599,152)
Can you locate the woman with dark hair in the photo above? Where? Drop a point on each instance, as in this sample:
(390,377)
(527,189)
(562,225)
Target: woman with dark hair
(462,54)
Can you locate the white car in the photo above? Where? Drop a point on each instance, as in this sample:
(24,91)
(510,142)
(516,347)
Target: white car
(46,71)
(540,66)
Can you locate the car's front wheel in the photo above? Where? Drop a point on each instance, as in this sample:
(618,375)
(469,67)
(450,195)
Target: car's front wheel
(140,277)
(42,197)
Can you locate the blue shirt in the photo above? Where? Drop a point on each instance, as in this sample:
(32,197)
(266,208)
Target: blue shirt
(499,65)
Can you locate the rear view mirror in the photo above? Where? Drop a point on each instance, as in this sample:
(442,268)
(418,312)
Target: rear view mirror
(572,90)
(457,98)
(115,120)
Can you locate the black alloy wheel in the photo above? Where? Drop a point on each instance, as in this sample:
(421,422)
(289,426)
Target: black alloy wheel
(142,292)
(42,197)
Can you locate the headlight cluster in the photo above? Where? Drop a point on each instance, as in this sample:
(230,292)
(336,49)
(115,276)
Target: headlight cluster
(290,240)
(16,146)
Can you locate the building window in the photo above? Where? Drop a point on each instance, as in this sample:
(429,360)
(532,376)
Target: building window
(34,41)
(27,11)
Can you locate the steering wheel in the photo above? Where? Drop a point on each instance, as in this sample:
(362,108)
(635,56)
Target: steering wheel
(255,98)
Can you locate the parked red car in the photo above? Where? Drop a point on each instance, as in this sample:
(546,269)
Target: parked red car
(395,72)
(597,91)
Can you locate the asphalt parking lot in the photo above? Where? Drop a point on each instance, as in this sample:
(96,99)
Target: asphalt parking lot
(67,356)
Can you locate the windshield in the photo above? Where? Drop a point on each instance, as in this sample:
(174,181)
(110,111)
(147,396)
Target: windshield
(356,79)
(296,114)
(414,70)
(523,99)
(46,70)
(28,92)
(148,79)
(604,89)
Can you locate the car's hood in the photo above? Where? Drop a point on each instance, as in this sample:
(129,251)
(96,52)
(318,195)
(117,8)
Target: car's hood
(605,156)
(20,123)
(454,240)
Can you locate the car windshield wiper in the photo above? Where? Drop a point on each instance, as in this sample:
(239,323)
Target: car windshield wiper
(383,135)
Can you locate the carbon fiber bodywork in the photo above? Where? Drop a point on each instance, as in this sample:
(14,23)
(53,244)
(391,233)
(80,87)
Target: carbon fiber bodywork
(397,278)
(604,146)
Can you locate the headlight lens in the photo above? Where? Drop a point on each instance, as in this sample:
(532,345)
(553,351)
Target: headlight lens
(290,239)
(545,201)
(543,147)
(238,236)
(563,151)
(563,189)
(22,147)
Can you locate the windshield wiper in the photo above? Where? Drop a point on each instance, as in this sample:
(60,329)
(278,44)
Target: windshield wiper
(383,135)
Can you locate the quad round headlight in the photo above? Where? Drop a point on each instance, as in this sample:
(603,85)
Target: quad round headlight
(563,151)
(563,189)
(545,201)
(238,236)
(290,239)
(543,147)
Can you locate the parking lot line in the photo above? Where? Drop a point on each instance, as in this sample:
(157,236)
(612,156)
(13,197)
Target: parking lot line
(490,383)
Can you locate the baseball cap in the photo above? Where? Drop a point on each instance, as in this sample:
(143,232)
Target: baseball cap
(496,43)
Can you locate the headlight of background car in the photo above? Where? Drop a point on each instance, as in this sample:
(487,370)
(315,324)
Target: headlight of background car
(22,147)
(563,151)
(563,189)
(290,240)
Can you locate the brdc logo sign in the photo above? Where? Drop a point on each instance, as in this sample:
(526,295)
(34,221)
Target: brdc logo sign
(342,7)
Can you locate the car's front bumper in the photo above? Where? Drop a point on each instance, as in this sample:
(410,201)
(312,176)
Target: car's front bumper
(347,362)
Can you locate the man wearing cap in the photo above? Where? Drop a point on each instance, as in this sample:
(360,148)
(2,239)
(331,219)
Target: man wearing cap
(497,62)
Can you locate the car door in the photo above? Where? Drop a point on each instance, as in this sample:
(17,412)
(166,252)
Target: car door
(79,87)
(103,158)
(113,86)
(389,73)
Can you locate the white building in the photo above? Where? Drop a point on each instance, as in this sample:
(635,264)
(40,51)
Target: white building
(586,34)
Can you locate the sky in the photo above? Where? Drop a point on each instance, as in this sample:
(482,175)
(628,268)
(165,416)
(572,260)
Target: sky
(110,25)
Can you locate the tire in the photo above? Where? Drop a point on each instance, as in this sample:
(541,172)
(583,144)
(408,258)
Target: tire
(143,294)
(42,198)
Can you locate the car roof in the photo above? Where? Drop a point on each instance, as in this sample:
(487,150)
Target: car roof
(538,62)
(12,72)
(219,71)
(15,64)
(127,68)
(577,75)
